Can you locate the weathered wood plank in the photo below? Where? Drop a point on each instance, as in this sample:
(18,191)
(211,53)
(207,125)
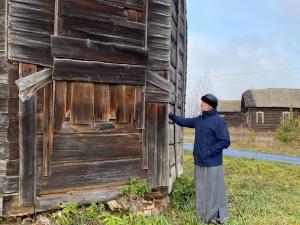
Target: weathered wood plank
(27,125)
(113,101)
(85,49)
(157,97)
(159,35)
(48,202)
(135,4)
(179,158)
(60,101)
(126,104)
(90,173)
(152,142)
(98,147)
(101,145)
(9,167)
(92,7)
(30,26)
(72,141)
(47,129)
(162,144)
(171,155)
(158,81)
(33,79)
(29,85)
(91,71)
(9,184)
(4,148)
(109,31)
(171,134)
(82,103)
(139,107)
(102,102)
(98,127)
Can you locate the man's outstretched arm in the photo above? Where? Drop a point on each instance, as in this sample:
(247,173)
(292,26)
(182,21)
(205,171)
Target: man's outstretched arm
(183,122)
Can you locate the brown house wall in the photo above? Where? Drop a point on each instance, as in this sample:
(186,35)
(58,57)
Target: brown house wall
(234,119)
(272,118)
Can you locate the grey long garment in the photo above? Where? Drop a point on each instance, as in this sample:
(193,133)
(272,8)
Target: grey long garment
(211,199)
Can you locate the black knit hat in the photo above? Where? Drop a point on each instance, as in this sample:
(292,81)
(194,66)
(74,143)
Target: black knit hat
(210,99)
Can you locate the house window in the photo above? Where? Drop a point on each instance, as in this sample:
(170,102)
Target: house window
(247,118)
(260,117)
(285,115)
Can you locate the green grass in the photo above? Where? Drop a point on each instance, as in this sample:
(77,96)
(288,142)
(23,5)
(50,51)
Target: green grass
(258,193)
(264,146)
(243,139)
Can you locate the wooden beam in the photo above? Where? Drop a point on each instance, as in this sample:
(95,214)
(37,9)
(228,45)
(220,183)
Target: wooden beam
(176,82)
(48,202)
(91,71)
(47,129)
(157,97)
(27,126)
(159,81)
(139,107)
(30,84)
(146,11)
(60,103)
(163,144)
(152,142)
(33,79)
(85,49)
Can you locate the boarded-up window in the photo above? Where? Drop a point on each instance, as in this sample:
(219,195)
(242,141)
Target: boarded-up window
(260,117)
(286,115)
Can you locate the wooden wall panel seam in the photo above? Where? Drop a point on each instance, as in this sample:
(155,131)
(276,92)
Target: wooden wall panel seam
(89,71)
(27,143)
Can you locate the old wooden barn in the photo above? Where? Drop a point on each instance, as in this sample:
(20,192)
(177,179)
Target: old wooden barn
(230,110)
(265,108)
(97,79)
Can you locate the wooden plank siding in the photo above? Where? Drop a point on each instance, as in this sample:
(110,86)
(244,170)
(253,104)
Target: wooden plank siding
(159,34)
(30,25)
(85,49)
(272,118)
(88,71)
(234,119)
(104,21)
(98,159)
(178,77)
(118,68)
(27,142)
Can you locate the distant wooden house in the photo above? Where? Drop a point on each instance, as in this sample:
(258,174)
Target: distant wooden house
(265,108)
(97,79)
(230,110)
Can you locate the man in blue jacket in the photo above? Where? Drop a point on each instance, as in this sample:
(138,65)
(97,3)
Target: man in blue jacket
(211,137)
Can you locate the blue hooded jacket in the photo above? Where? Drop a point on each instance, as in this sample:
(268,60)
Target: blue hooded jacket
(211,137)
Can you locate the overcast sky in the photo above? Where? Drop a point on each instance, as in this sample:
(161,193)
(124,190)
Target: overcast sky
(235,45)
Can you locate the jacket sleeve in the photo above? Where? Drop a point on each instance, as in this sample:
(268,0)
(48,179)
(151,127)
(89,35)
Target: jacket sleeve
(223,139)
(183,122)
